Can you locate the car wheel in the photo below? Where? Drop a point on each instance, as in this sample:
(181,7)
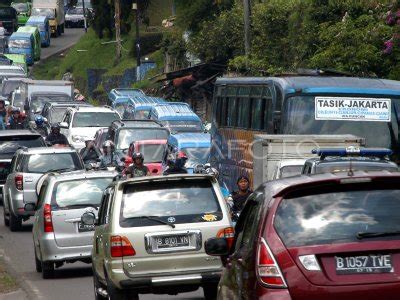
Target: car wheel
(96,285)
(115,293)
(210,291)
(47,269)
(38,263)
(6,219)
(15,222)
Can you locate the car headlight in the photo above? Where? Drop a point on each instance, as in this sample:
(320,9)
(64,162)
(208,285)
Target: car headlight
(78,138)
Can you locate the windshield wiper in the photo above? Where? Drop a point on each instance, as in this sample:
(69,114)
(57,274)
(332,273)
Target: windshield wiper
(366,235)
(61,170)
(155,218)
(83,205)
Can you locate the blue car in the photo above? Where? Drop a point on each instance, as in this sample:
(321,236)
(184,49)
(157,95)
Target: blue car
(177,117)
(42,22)
(123,92)
(140,106)
(22,43)
(196,146)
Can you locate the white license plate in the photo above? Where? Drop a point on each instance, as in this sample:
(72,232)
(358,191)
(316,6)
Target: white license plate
(172,241)
(364,264)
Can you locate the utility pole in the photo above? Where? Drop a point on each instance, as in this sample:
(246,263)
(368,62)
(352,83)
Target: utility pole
(135,6)
(84,16)
(247,37)
(118,29)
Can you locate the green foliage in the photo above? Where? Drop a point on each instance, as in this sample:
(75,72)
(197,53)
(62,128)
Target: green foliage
(149,42)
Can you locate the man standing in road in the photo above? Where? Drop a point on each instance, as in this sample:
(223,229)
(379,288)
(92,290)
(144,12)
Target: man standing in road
(137,169)
(239,197)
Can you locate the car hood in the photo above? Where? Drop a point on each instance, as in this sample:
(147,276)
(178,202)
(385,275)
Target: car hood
(87,132)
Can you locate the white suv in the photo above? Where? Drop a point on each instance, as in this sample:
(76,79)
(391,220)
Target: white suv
(81,123)
(150,236)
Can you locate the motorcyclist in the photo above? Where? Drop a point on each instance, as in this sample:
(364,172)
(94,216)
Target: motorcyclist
(56,137)
(176,165)
(239,197)
(137,169)
(38,125)
(90,153)
(108,159)
(15,120)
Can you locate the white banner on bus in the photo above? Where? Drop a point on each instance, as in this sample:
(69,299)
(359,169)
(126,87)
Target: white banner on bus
(353,109)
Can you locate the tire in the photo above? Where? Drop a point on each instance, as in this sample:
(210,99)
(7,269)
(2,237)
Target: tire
(117,294)
(97,284)
(47,270)
(6,220)
(210,291)
(38,263)
(15,222)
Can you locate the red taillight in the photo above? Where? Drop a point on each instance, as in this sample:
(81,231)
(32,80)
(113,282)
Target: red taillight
(120,246)
(48,222)
(267,268)
(227,233)
(19,182)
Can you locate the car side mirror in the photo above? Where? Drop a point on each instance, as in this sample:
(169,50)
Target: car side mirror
(30,207)
(88,218)
(217,247)
(64,125)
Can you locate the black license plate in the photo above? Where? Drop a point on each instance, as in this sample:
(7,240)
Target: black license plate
(364,264)
(172,241)
(85,228)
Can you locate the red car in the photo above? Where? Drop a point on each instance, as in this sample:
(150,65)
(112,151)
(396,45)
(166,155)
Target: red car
(153,152)
(327,236)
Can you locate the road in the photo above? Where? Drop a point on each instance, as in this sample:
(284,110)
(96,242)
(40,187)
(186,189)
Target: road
(67,40)
(73,281)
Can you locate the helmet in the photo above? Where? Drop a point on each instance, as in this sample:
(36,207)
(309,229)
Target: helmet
(55,126)
(107,144)
(39,120)
(15,110)
(137,155)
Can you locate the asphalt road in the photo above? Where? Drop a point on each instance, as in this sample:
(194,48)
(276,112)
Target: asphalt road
(73,281)
(67,40)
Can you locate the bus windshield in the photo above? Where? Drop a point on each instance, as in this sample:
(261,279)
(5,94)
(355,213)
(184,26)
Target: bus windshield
(299,117)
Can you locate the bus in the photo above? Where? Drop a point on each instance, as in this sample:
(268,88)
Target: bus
(244,107)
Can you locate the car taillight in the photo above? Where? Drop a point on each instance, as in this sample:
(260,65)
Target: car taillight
(48,222)
(19,182)
(267,268)
(227,233)
(120,246)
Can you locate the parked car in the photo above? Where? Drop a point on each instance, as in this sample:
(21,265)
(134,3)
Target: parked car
(8,19)
(27,166)
(58,234)
(81,123)
(23,11)
(324,236)
(155,245)
(10,142)
(349,159)
(42,23)
(74,17)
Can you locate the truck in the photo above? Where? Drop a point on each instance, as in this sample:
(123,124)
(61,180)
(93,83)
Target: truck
(54,10)
(272,154)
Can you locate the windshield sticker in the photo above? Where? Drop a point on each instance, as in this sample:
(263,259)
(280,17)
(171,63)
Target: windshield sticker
(352,109)
(209,218)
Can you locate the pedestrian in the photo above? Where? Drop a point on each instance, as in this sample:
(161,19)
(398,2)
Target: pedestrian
(90,153)
(56,137)
(176,165)
(137,169)
(239,197)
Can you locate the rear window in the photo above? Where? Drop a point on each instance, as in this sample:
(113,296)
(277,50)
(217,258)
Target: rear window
(38,101)
(186,201)
(69,194)
(337,216)
(43,163)
(129,135)
(8,145)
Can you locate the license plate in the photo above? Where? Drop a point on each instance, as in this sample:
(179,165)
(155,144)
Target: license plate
(84,228)
(172,241)
(364,264)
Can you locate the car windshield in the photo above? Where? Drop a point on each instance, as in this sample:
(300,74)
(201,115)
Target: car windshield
(18,101)
(141,114)
(288,171)
(48,12)
(152,152)
(186,201)
(10,144)
(6,12)
(129,135)
(9,87)
(196,156)
(337,215)
(299,117)
(19,43)
(45,162)
(38,101)
(75,11)
(183,126)
(20,7)
(69,193)
(94,119)
(57,114)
